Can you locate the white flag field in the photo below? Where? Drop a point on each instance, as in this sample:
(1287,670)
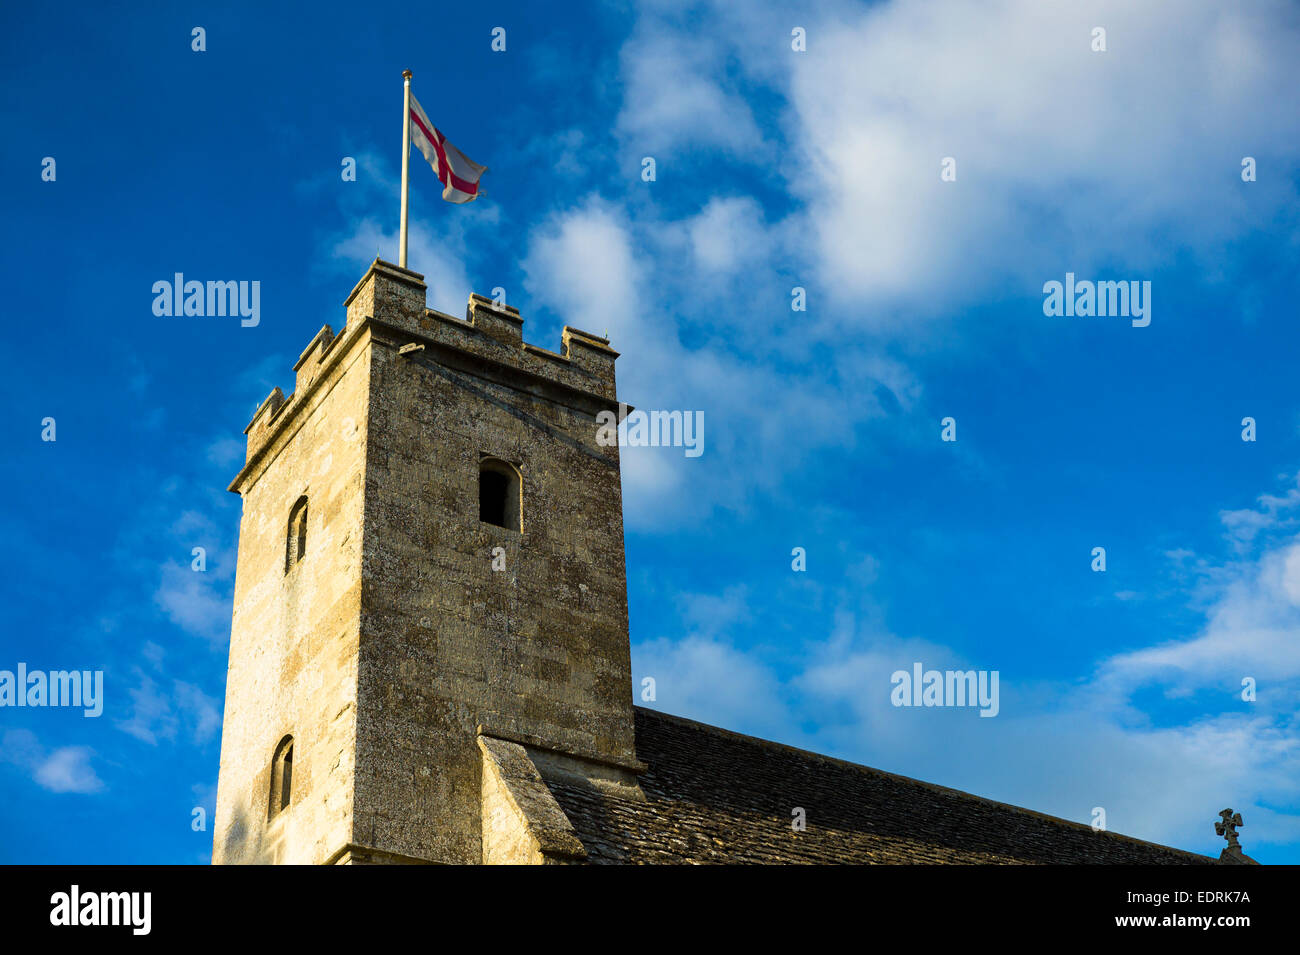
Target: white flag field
(458,173)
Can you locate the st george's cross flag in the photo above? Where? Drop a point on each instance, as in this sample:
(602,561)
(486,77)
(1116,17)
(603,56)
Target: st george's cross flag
(458,173)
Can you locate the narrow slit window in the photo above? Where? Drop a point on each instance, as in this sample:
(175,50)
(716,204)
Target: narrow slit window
(499,494)
(295,545)
(281,777)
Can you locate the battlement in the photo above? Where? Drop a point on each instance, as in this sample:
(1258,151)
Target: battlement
(311,361)
(491,334)
(259,428)
(395,297)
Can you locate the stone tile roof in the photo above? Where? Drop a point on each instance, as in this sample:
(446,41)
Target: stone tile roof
(713,796)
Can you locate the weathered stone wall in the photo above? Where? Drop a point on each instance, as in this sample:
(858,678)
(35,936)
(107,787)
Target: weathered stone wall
(294,636)
(447,643)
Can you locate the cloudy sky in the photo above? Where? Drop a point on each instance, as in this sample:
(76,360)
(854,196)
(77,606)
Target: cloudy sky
(776,168)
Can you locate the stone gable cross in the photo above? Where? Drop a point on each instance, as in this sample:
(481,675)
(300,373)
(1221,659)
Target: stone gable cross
(1228,828)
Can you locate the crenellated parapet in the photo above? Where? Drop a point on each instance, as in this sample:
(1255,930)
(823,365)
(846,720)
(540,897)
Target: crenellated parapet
(312,360)
(260,427)
(491,334)
(491,331)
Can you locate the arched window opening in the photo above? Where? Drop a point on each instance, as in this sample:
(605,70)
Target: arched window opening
(499,494)
(295,545)
(281,777)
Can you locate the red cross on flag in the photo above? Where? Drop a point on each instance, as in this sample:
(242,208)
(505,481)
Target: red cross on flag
(458,173)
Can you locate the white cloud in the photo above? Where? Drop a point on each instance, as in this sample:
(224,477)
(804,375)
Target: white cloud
(1066,158)
(1253,630)
(156,715)
(711,680)
(151,713)
(68,770)
(675,97)
(729,234)
(198,602)
(1244,525)
(1252,607)
(583,265)
(65,770)
(429,254)
(200,711)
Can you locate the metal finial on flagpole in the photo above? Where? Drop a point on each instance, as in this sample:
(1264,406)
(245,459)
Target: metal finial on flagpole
(406,163)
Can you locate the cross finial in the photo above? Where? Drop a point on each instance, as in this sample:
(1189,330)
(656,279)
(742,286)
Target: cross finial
(1228,827)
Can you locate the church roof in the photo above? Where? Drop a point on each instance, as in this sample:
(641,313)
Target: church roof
(713,796)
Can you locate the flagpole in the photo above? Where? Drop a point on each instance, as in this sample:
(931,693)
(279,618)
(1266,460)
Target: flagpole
(406,163)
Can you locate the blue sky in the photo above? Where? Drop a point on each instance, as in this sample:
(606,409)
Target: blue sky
(775,169)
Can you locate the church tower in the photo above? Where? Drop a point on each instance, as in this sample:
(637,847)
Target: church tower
(430,580)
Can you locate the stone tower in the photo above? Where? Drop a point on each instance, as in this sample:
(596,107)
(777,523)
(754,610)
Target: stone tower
(430,576)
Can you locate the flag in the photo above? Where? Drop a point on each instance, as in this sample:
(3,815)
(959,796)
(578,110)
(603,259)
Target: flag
(458,173)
